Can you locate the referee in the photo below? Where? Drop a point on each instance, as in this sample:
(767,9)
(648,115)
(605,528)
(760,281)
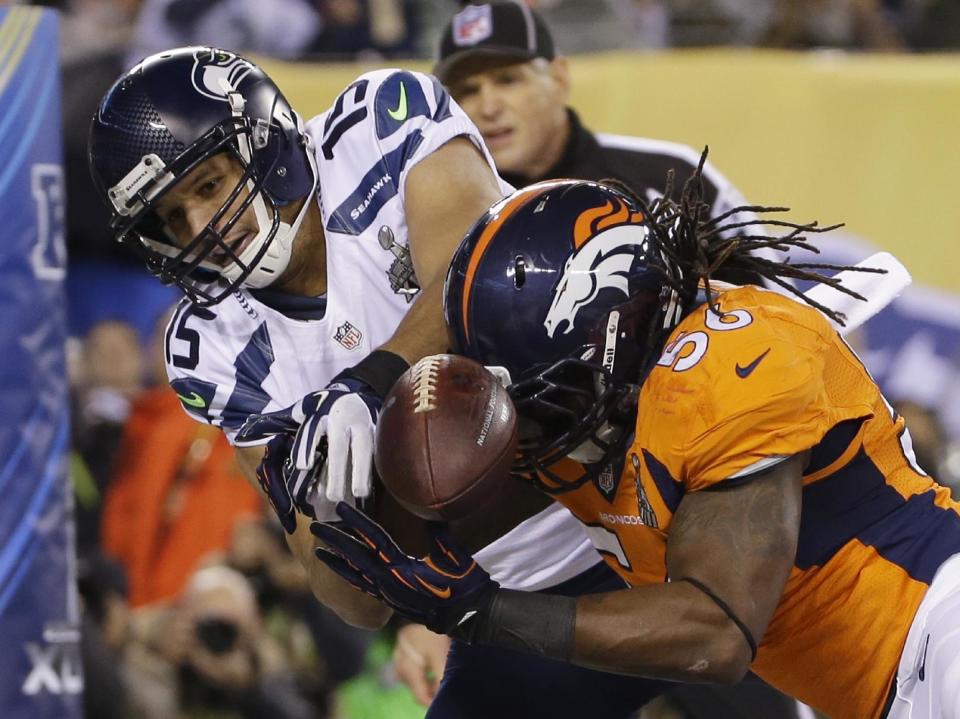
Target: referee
(499,63)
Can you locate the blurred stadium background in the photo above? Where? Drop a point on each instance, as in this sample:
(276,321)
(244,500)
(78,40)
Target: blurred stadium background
(844,110)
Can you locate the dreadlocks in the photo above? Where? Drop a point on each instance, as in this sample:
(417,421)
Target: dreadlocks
(694,246)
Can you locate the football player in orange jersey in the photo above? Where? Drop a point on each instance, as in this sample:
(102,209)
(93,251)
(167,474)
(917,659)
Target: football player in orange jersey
(729,453)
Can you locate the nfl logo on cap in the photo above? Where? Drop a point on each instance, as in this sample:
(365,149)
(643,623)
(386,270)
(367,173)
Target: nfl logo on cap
(474,24)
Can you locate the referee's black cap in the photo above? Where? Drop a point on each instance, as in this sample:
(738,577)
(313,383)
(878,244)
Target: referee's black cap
(499,29)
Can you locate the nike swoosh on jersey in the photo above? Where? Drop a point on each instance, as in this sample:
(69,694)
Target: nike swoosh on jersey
(194,400)
(400,114)
(436,591)
(744,372)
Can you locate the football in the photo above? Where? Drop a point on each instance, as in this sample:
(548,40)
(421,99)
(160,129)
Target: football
(446,438)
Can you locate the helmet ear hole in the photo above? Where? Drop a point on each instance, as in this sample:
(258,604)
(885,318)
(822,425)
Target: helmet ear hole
(519,271)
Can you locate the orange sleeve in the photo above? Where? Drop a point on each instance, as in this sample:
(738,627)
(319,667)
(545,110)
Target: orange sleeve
(760,393)
(743,431)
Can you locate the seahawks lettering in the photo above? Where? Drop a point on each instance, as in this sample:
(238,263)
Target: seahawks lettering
(362,207)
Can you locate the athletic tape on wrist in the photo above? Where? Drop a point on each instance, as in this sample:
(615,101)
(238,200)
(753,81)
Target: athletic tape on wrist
(379,370)
(540,624)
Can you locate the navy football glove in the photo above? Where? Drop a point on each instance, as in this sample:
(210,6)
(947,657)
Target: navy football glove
(272,482)
(332,434)
(442,590)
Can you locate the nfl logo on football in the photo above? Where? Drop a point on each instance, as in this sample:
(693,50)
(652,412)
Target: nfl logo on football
(348,336)
(473,25)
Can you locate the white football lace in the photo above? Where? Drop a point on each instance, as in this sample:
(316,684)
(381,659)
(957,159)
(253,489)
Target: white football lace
(425,383)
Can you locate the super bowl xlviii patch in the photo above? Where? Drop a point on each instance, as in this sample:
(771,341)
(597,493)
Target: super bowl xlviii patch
(644,509)
(403,281)
(472,25)
(348,336)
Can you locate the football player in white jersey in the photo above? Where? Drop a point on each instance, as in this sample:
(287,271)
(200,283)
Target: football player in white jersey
(313,257)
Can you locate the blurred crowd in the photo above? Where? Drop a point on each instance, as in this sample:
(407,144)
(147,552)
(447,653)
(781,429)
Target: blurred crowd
(347,29)
(190,612)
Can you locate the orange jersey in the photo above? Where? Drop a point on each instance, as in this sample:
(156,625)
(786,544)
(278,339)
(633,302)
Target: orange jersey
(730,396)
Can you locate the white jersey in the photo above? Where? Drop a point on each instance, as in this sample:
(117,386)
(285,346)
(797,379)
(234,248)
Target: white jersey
(244,357)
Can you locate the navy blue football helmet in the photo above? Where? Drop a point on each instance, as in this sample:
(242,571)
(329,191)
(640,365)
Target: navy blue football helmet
(559,284)
(162,119)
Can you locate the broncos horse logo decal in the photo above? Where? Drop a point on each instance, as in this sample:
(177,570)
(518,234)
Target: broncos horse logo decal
(606,241)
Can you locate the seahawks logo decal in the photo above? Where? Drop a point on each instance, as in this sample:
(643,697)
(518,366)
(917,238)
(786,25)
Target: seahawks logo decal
(606,242)
(216,73)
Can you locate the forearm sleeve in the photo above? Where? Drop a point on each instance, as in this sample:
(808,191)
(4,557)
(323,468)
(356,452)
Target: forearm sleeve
(540,624)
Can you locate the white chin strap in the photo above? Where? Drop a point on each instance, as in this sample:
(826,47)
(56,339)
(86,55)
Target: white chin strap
(277,256)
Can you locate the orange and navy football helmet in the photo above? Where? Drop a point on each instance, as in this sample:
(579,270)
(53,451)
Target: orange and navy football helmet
(560,284)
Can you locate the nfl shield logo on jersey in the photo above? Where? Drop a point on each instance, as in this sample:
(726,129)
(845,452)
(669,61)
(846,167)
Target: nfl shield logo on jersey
(348,336)
(473,25)
(609,480)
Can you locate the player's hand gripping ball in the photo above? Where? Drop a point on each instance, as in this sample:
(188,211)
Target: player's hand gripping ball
(446,438)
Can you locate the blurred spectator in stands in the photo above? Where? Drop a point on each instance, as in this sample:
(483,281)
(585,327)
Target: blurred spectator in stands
(285,29)
(104,633)
(697,23)
(364,28)
(105,280)
(107,375)
(936,454)
(170,471)
(950,467)
(847,24)
(935,25)
(94,38)
(94,27)
(612,24)
(209,655)
(647,22)
(928,437)
(258,551)
(280,28)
